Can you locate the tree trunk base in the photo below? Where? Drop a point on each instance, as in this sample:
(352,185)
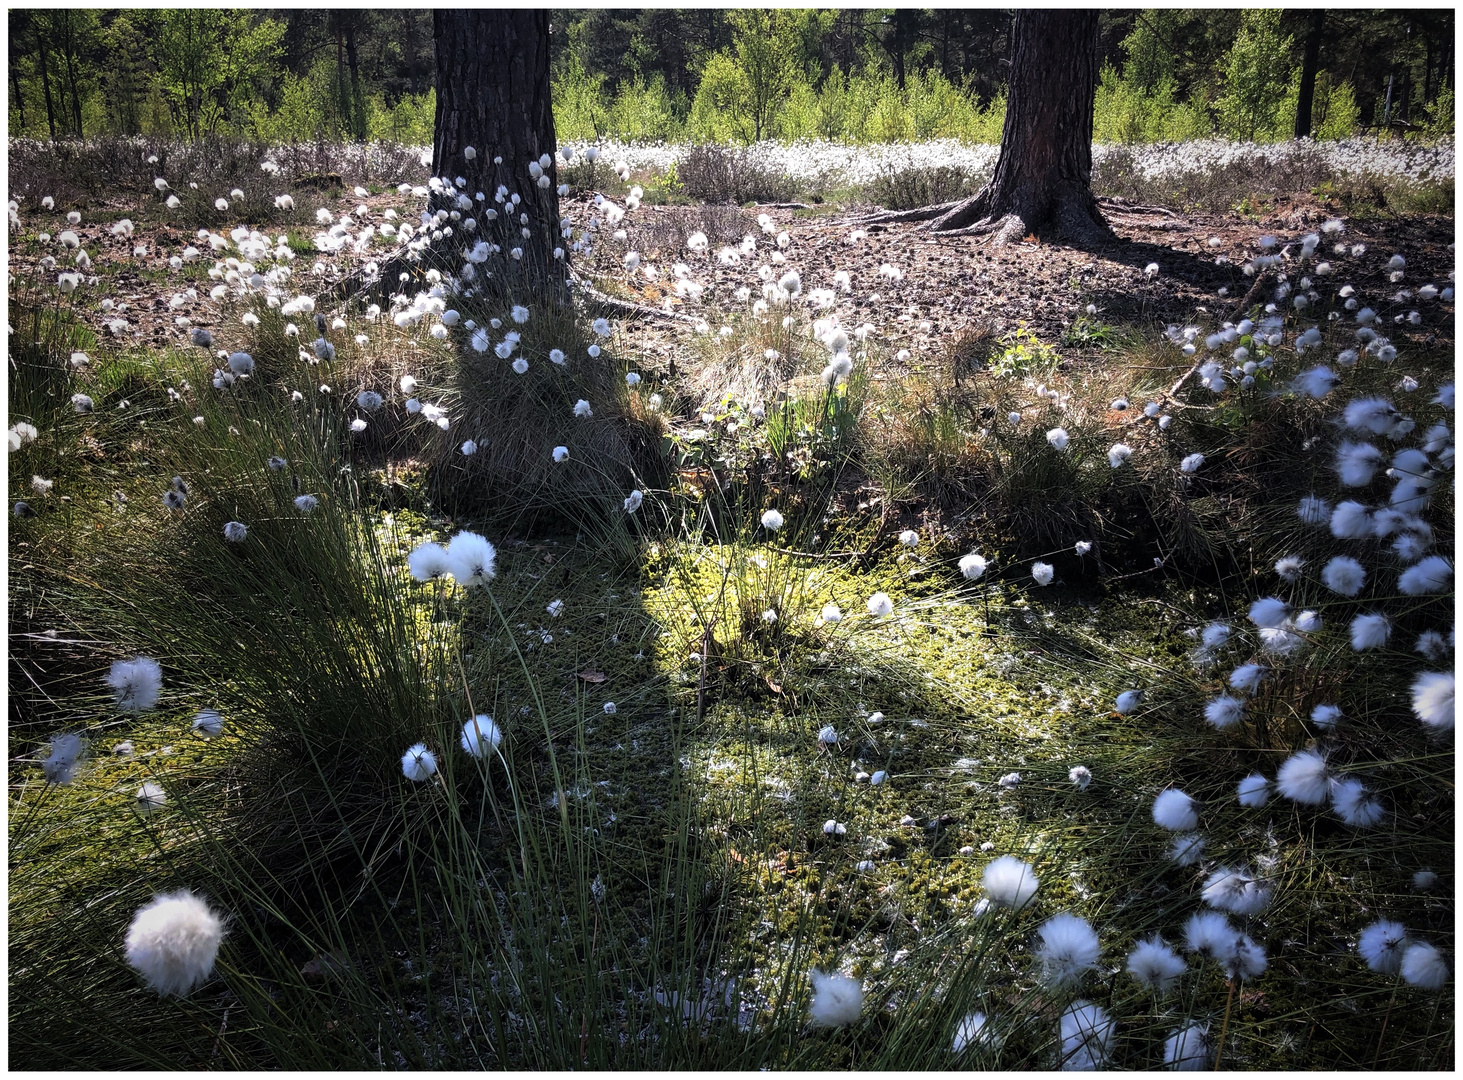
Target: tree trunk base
(1072,212)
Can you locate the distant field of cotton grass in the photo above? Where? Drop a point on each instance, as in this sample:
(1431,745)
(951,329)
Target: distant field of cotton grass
(829,164)
(817,686)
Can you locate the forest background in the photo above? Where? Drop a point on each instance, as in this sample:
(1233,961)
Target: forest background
(715,75)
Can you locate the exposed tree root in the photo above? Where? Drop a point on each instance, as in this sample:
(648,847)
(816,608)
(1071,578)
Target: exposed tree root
(626,307)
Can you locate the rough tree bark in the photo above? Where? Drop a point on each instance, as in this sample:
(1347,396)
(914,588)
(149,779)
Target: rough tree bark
(1043,176)
(493,95)
(1310,63)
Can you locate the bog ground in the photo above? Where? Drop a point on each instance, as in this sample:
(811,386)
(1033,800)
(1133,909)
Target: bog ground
(909,633)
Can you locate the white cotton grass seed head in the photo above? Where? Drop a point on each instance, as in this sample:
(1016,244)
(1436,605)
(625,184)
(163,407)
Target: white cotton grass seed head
(1058,438)
(236,532)
(1186,850)
(1155,965)
(470,559)
(1175,811)
(1009,882)
(150,797)
(209,723)
(1188,1049)
(828,736)
(1326,717)
(1289,567)
(772,520)
(1236,890)
(1370,631)
(1209,933)
(1247,677)
(428,561)
(972,566)
(1381,945)
(880,605)
(136,682)
(1351,521)
(837,1000)
(1432,700)
(1424,967)
(1349,798)
(66,752)
(173,942)
(1433,574)
(1269,612)
(974,1029)
(481,736)
(1086,1032)
(418,763)
(1224,711)
(1042,573)
(1069,947)
(1127,701)
(1304,778)
(1254,791)
(1080,775)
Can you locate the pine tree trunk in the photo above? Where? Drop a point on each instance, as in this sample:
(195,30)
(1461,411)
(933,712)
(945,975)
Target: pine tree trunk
(493,96)
(1309,65)
(1043,176)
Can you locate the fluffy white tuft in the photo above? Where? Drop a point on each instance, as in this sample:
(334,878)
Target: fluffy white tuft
(1042,573)
(1068,948)
(1226,710)
(1351,521)
(1356,463)
(1254,790)
(1326,717)
(470,559)
(972,566)
(1238,891)
(1087,1032)
(1370,631)
(1423,965)
(837,1000)
(1175,811)
(1154,964)
(1432,699)
(428,561)
(1247,677)
(1269,612)
(481,736)
(1432,575)
(1303,777)
(137,683)
(1209,933)
(1349,800)
(1188,1048)
(418,763)
(1381,945)
(1009,882)
(973,1030)
(1186,850)
(1344,575)
(173,941)
(1127,701)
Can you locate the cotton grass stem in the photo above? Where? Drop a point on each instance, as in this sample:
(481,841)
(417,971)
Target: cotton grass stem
(1385,1017)
(1223,1028)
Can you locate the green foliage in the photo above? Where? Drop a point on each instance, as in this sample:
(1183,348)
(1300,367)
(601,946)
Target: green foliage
(1256,73)
(1023,354)
(1440,116)
(211,62)
(1126,112)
